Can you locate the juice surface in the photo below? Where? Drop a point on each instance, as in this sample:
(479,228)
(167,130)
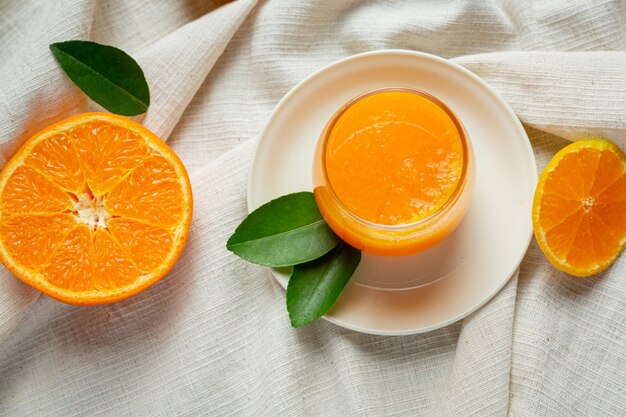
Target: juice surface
(394,158)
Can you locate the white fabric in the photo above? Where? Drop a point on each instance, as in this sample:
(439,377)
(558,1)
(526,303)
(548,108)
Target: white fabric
(213,337)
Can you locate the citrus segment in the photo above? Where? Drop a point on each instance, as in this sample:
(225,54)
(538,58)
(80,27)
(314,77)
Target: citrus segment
(557,209)
(574,174)
(582,252)
(607,179)
(71,266)
(152,193)
(93,209)
(112,266)
(107,153)
(32,238)
(579,210)
(561,236)
(146,245)
(56,158)
(28,191)
(605,240)
(614,194)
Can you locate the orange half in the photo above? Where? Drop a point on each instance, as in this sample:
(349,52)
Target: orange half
(93,209)
(579,209)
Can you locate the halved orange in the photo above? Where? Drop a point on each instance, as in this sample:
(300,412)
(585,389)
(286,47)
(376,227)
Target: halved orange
(579,209)
(93,209)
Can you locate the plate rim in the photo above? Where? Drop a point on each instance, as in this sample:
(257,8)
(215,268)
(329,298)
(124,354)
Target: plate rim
(411,54)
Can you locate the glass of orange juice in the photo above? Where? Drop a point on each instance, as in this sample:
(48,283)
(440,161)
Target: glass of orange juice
(393,172)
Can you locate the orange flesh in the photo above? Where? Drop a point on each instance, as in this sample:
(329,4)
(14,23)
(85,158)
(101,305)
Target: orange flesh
(93,208)
(583,208)
(394,158)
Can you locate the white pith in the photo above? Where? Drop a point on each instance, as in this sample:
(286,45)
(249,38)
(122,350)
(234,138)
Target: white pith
(91,211)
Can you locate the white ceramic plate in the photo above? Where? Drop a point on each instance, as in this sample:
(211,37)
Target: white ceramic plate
(389,296)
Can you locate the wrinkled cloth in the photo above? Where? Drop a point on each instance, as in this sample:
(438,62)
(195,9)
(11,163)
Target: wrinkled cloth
(213,337)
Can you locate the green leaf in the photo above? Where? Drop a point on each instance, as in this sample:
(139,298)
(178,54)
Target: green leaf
(287,231)
(109,76)
(315,286)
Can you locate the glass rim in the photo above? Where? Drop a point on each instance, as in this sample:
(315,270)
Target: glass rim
(444,207)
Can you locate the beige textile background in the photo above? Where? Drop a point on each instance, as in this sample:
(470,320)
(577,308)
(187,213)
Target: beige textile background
(213,337)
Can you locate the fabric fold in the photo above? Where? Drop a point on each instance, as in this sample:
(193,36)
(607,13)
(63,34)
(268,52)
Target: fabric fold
(574,95)
(479,375)
(176,65)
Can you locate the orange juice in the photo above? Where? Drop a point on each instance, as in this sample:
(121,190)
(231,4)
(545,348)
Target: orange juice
(393,172)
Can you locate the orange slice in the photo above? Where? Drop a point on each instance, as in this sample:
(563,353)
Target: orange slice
(579,209)
(93,209)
